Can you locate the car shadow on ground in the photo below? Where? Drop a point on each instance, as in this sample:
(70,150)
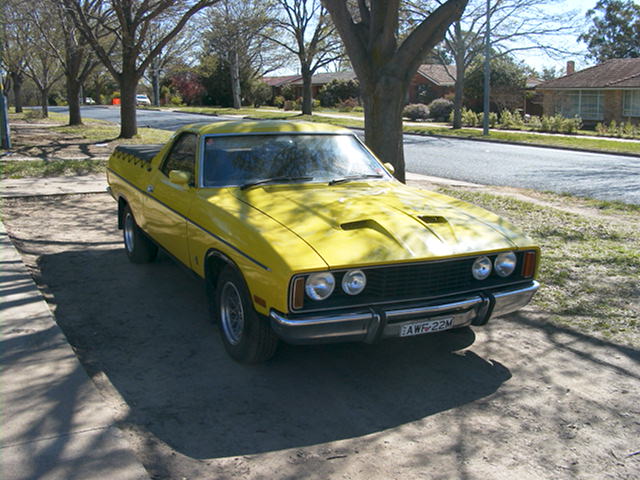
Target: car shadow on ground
(146,327)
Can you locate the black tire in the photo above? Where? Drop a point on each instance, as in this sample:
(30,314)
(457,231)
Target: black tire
(137,245)
(247,337)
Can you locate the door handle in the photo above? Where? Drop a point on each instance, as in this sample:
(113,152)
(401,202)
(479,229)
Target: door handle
(150,188)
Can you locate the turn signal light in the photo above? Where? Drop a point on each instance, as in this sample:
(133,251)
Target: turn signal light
(298,293)
(529,264)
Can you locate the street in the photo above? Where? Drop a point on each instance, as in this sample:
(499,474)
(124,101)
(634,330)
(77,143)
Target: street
(601,176)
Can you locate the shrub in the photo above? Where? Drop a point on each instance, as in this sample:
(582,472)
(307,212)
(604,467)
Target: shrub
(493,119)
(289,105)
(315,103)
(298,103)
(535,123)
(416,111)
(601,129)
(289,92)
(545,123)
(347,105)
(470,118)
(571,125)
(278,101)
(338,91)
(511,121)
(440,109)
(557,122)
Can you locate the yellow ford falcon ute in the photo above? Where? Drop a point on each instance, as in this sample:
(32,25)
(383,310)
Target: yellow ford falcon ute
(302,235)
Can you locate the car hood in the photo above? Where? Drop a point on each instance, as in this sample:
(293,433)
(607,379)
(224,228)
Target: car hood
(379,222)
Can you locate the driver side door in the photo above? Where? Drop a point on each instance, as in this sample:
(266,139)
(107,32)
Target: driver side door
(168,203)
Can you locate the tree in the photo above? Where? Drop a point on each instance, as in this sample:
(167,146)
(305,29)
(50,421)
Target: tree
(40,66)
(237,35)
(508,79)
(385,66)
(131,21)
(310,36)
(516,25)
(65,43)
(615,32)
(14,52)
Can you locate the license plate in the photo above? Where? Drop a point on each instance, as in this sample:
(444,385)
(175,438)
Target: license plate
(430,326)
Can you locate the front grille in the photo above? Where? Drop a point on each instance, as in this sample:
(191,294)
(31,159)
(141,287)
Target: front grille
(415,281)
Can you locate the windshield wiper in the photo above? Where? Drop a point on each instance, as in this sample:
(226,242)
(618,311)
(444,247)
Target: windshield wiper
(354,177)
(274,180)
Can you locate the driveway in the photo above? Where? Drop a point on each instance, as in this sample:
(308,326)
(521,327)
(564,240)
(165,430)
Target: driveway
(517,399)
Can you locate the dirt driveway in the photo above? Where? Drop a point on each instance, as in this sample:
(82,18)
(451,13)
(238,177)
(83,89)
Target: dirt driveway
(521,400)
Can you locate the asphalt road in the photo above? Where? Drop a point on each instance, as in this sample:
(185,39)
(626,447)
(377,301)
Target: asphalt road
(605,177)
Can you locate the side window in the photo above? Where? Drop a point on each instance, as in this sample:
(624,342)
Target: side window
(182,155)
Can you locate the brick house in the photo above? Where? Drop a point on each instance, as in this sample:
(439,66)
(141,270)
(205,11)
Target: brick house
(606,92)
(431,81)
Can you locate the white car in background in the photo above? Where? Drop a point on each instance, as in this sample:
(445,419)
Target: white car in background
(142,99)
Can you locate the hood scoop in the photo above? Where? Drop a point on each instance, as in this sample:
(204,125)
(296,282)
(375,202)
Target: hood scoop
(428,219)
(372,225)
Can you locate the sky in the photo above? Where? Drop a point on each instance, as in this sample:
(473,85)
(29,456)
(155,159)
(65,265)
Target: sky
(575,10)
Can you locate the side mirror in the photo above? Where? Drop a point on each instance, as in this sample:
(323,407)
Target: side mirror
(179,177)
(389,168)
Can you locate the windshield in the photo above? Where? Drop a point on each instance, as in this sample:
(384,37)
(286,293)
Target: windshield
(247,159)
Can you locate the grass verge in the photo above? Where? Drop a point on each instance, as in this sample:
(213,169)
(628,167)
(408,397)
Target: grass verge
(53,168)
(590,268)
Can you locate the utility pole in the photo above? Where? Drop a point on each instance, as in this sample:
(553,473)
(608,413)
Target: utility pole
(487,73)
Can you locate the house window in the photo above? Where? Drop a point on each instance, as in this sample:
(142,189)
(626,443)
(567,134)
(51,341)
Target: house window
(586,104)
(631,103)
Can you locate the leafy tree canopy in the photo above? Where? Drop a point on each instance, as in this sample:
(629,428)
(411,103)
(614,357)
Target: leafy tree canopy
(615,32)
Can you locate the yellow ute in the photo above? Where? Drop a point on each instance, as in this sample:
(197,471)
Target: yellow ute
(301,234)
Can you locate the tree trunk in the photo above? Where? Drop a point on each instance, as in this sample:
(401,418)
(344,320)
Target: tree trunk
(73,99)
(17,80)
(44,102)
(307,95)
(235,79)
(459,88)
(128,123)
(383,104)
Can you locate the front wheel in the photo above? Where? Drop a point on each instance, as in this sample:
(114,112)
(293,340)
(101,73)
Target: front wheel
(246,336)
(138,247)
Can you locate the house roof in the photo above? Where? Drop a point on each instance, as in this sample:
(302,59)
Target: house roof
(324,78)
(280,81)
(615,73)
(442,75)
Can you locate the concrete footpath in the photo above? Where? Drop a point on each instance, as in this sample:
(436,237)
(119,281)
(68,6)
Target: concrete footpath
(54,423)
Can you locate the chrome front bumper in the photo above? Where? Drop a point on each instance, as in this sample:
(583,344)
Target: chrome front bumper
(375,323)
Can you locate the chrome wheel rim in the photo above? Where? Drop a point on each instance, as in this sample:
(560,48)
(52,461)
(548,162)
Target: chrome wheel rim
(128,232)
(231,313)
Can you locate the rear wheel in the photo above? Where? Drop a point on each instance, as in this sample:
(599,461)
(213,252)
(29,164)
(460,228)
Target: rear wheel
(138,247)
(246,336)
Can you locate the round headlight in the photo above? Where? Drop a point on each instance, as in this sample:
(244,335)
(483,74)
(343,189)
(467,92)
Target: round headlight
(505,264)
(354,282)
(320,285)
(481,268)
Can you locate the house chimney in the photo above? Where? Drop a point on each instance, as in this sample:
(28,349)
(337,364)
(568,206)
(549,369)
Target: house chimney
(571,67)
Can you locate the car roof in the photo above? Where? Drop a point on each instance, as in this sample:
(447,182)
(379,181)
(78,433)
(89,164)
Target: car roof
(263,126)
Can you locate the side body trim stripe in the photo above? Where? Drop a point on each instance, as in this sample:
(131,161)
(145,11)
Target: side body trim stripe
(220,239)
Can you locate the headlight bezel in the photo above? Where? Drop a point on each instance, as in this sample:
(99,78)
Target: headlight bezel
(346,279)
(501,260)
(312,292)
(481,268)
